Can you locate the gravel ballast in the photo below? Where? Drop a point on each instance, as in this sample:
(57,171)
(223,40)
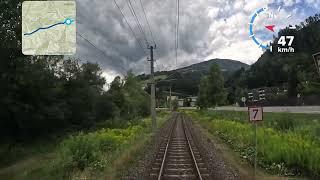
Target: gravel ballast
(217,167)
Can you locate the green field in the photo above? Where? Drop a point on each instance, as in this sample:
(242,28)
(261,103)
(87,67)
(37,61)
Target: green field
(288,144)
(101,153)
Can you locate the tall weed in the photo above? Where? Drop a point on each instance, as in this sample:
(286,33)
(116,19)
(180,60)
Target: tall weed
(87,150)
(284,146)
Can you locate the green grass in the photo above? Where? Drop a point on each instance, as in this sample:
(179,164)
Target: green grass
(13,152)
(92,155)
(288,143)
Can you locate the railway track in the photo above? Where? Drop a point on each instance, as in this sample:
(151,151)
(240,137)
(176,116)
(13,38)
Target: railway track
(178,157)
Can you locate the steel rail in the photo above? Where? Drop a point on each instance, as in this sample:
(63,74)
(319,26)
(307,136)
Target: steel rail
(166,150)
(190,148)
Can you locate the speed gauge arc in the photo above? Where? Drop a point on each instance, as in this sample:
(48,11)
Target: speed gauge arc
(263,25)
(251,33)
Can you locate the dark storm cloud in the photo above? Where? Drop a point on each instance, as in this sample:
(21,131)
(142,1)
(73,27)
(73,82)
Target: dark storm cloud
(102,24)
(208,29)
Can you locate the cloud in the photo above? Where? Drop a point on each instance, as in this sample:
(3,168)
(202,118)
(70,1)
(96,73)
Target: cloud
(208,29)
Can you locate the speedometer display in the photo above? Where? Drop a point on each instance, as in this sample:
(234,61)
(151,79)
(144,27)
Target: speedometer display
(263,25)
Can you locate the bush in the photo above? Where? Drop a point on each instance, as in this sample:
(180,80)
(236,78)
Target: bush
(293,151)
(86,150)
(79,151)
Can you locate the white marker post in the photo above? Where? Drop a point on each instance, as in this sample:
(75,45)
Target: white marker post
(243,99)
(255,115)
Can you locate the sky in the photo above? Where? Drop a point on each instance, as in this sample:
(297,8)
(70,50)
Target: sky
(208,29)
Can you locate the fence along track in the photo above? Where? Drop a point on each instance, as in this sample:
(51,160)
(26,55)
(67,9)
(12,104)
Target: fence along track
(178,157)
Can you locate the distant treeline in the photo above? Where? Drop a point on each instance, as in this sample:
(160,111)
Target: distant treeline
(40,95)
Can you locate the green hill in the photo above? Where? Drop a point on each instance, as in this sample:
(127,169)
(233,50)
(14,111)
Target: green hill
(294,69)
(186,80)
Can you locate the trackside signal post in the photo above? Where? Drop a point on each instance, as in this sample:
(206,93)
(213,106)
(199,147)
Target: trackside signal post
(153,92)
(255,115)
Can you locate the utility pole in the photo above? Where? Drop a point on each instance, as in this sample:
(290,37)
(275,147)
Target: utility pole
(170,99)
(153,92)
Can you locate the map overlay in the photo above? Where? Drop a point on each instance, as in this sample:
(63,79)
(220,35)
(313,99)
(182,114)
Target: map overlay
(49,28)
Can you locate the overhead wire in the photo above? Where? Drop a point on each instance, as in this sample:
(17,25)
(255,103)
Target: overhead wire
(93,45)
(149,27)
(137,21)
(135,36)
(177,29)
(175,34)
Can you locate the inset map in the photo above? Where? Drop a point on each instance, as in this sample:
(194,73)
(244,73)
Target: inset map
(49,27)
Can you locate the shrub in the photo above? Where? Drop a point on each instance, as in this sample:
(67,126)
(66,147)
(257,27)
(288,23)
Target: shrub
(283,147)
(86,150)
(79,151)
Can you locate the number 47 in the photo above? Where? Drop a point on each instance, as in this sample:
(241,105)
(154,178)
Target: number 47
(282,40)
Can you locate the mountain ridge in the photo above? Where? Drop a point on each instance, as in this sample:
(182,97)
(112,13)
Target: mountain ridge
(185,80)
(223,64)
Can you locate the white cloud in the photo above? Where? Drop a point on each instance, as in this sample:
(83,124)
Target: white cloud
(208,29)
(244,51)
(213,12)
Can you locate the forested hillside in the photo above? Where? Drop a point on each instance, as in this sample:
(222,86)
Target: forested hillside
(296,70)
(186,80)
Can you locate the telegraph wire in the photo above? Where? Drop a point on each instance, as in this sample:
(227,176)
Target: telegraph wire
(177,29)
(137,20)
(91,43)
(88,41)
(135,36)
(145,15)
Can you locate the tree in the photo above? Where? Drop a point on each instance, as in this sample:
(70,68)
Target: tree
(175,105)
(137,100)
(129,97)
(211,90)
(41,95)
(217,93)
(202,101)
(117,94)
(293,83)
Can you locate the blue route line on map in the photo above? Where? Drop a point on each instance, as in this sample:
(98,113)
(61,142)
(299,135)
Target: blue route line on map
(67,21)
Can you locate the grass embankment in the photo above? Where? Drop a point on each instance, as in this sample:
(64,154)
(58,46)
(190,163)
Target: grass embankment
(288,144)
(101,154)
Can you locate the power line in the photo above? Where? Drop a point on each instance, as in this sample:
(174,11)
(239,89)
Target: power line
(175,31)
(91,43)
(144,12)
(137,20)
(130,27)
(98,49)
(178,27)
